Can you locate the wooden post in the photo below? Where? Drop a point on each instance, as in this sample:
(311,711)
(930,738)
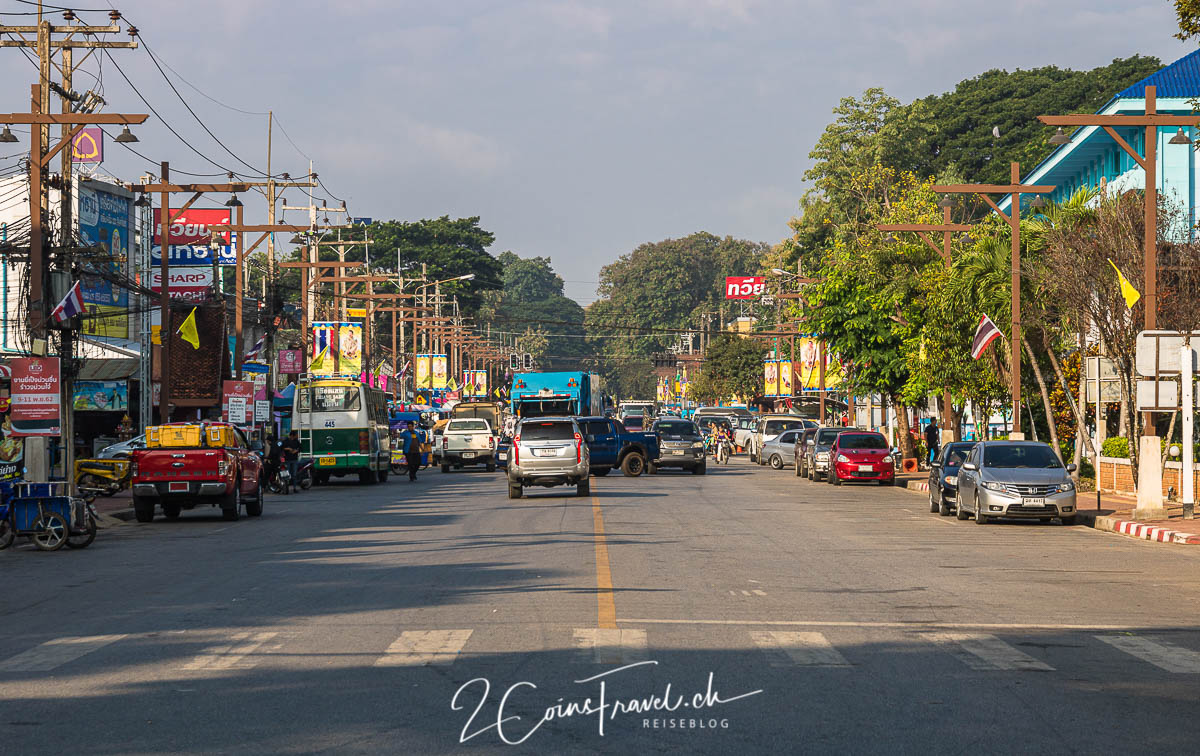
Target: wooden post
(164,332)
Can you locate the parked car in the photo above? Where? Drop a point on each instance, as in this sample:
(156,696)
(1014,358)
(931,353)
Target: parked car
(548,451)
(768,428)
(799,457)
(124,449)
(1017,479)
(743,428)
(680,445)
(943,476)
(612,444)
(861,456)
(816,461)
(780,451)
(186,465)
(468,441)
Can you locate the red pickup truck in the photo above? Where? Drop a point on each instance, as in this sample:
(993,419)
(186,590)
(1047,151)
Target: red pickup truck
(185,465)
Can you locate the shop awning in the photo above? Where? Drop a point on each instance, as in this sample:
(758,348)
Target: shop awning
(107,359)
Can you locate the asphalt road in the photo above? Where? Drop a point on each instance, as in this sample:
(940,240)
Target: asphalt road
(807,618)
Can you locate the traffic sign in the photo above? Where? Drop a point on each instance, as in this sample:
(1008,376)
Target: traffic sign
(1158,352)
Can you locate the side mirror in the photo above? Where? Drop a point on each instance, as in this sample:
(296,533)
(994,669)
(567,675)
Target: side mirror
(970,466)
(1071,468)
(590,438)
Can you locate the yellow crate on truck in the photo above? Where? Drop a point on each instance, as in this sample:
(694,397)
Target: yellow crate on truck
(173,436)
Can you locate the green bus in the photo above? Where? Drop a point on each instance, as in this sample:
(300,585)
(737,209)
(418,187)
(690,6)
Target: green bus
(343,427)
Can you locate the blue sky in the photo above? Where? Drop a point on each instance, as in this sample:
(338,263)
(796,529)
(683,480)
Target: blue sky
(576,130)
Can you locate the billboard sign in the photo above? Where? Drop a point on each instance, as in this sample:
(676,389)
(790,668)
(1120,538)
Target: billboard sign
(189,283)
(771,378)
(440,376)
(189,236)
(745,287)
(422,378)
(236,397)
(101,396)
(105,222)
(785,378)
(35,397)
(87,148)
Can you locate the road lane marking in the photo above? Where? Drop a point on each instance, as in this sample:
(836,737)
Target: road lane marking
(56,652)
(757,592)
(236,655)
(606,607)
(416,648)
(610,645)
(909,625)
(785,648)
(1166,656)
(985,652)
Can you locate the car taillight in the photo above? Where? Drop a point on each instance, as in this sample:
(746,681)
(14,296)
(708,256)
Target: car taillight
(445,443)
(221,468)
(491,442)
(516,450)
(133,469)
(364,442)
(578,448)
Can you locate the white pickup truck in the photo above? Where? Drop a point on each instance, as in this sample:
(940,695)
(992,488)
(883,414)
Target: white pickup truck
(468,441)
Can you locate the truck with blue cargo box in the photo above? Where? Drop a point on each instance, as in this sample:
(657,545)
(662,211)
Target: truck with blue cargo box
(564,394)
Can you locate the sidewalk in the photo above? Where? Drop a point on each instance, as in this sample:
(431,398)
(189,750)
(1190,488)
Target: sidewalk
(1114,515)
(119,507)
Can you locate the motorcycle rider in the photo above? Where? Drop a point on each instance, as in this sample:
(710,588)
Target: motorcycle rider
(274,459)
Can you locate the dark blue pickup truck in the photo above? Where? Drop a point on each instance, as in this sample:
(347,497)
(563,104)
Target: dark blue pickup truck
(612,446)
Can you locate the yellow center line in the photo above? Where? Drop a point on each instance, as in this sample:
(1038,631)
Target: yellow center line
(606,608)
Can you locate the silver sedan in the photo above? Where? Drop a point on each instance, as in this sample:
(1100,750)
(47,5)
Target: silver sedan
(1015,479)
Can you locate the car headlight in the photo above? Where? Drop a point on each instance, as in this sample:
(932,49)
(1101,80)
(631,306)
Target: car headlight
(843,458)
(952,480)
(1064,487)
(822,456)
(697,444)
(989,485)
(888,460)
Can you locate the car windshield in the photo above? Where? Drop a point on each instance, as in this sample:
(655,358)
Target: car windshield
(329,399)
(634,422)
(775,427)
(547,431)
(746,423)
(1020,455)
(862,441)
(827,437)
(469,425)
(675,428)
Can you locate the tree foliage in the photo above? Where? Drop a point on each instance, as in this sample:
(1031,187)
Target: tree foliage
(733,367)
(532,308)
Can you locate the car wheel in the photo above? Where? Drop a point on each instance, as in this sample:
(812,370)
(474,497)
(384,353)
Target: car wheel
(232,504)
(1069,520)
(143,509)
(254,507)
(445,468)
(943,507)
(933,504)
(833,477)
(633,465)
(651,468)
(514,490)
(776,462)
(491,467)
(583,488)
(700,469)
(799,472)
(980,517)
(171,511)
(960,512)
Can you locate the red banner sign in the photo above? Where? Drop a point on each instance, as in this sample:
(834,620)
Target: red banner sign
(237,402)
(191,227)
(745,287)
(289,361)
(35,396)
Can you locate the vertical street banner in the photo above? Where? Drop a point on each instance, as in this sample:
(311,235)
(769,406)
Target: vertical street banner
(236,398)
(105,224)
(35,397)
(785,378)
(349,348)
(422,379)
(808,367)
(323,341)
(438,369)
(481,383)
(771,378)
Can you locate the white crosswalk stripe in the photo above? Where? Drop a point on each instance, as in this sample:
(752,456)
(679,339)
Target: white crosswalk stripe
(610,646)
(416,648)
(1160,653)
(804,649)
(985,652)
(55,653)
(240,654)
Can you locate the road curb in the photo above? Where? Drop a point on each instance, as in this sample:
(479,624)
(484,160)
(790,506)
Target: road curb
(917,486)
(1142,531)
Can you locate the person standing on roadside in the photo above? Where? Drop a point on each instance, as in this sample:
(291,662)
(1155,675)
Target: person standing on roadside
(932,439)
(291,457)
(410,443)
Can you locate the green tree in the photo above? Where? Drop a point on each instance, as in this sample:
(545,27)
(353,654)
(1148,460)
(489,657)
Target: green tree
(1188,13)
(733,367)
(532,301)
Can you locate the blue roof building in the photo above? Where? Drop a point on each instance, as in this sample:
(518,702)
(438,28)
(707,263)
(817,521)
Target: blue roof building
(1092,158)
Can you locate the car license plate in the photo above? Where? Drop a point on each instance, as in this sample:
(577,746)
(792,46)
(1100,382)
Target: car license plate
(502,457)
(677,452)
(177,487)
(468,455)
(1034,501)
(327,461)
(545,452)
(866,468)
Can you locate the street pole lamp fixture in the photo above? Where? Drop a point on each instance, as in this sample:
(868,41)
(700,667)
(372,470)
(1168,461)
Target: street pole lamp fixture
(142,201)
(233,201)
(467,277)
(946,202)
(890,239)
(1179,138)
(7,137)
(1038,203)
(125,137)
(1059,138)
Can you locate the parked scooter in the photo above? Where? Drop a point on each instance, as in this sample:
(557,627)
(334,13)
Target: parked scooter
(101,477)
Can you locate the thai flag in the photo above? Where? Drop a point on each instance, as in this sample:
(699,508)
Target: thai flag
(254,350)
(71,305)
(322,338)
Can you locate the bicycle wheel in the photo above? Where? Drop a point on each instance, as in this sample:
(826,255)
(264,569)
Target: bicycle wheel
(52,531)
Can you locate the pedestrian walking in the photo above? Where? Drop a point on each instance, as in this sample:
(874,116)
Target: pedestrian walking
(410,443)
(932,440)
(291,458)
(273,461)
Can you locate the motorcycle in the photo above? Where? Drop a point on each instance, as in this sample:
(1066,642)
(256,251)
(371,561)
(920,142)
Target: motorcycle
(281,481)
(101,477)
(722,452)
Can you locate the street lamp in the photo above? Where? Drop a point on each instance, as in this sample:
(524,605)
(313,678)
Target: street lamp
(125,137)
(7,137)
(1059,138)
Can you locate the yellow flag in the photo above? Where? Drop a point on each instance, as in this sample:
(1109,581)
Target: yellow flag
(1131,294)
(319,362)
(188,330)
(452,385)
